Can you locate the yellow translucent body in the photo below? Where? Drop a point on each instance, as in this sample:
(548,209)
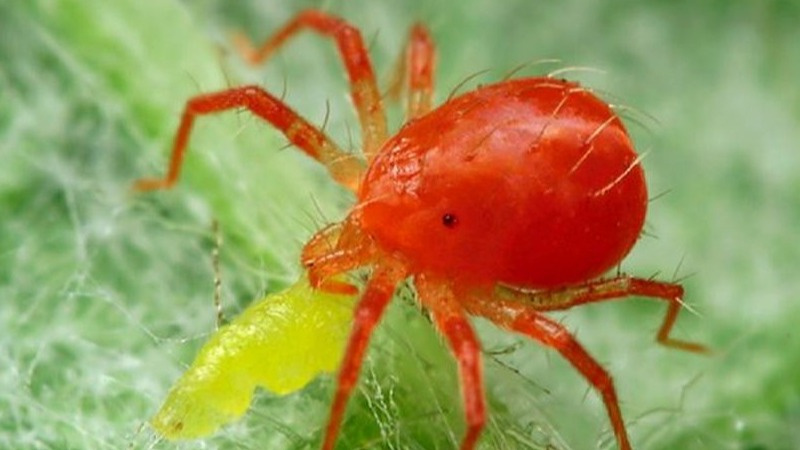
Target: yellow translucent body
(280,343)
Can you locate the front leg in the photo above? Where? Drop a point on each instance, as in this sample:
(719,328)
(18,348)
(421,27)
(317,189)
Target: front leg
(368,313)
(363,86)
(344,168)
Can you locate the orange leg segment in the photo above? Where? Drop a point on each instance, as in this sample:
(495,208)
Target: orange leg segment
(611,289)
(378,293)
(523,319)
(416,67)
(363,85)
(344,168)
(453,324)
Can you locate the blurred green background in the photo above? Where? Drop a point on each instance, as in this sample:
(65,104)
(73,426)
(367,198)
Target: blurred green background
(106,295)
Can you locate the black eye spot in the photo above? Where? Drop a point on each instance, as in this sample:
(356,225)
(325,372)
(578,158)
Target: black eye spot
(449,220)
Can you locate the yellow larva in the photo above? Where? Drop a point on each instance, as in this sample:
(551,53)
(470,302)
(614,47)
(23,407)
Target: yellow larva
(279,343)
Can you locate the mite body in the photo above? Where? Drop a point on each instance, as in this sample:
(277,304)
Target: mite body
(530,182)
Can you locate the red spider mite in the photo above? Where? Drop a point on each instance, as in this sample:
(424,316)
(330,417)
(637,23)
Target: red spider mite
(505,202)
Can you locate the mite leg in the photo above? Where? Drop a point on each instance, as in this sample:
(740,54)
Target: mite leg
(344,168)
(610,289)
(377,295)
(452,322)
(525,320)
(415,67)
(364,88)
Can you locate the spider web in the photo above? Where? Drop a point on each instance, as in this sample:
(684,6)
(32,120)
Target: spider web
(105,292)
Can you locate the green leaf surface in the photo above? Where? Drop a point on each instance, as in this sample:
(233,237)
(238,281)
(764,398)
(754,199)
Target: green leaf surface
(107,295)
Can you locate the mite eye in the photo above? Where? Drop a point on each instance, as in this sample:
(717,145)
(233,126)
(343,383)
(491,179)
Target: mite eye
(449,220)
